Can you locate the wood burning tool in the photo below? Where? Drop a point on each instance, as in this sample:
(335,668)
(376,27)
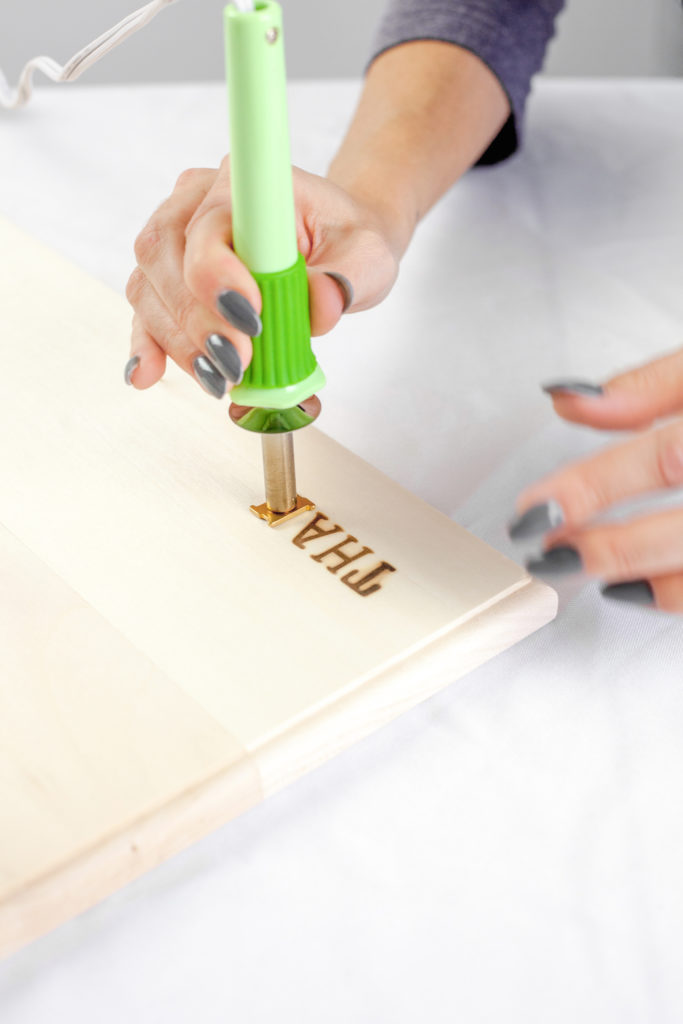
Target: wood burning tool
(277,394)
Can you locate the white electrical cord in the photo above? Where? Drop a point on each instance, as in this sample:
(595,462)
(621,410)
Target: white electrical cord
(89,55)
(81,61)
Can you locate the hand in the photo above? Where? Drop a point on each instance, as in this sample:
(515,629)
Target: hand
(196,302)
(642,559)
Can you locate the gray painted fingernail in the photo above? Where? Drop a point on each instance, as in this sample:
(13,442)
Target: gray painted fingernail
(208,376)
(130,368)
(536,519)
(226,357)
(562,559)
(634,592)
(346,288)
(573,387)
(239,312)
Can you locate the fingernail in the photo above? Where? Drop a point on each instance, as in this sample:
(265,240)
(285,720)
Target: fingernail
(573,387)
(634,592)
(130,368)
(225,356)
(208,376)
(346,288)
(239,312)
(559,560)
(536,519)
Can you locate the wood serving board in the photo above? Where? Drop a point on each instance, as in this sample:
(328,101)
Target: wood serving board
(166,659)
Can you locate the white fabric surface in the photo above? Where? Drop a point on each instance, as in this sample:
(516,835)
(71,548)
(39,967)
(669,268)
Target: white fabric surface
(511,850)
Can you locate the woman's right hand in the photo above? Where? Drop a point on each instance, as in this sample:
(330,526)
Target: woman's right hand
(195,301)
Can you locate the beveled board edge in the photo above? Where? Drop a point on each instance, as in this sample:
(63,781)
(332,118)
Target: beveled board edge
(120,859)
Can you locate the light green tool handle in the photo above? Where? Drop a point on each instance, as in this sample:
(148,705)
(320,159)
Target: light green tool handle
(284,370)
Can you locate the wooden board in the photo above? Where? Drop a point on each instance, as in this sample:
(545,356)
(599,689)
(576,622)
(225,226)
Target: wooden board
(166,659)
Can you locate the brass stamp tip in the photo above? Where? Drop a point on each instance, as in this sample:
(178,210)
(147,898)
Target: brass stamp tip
(275,518)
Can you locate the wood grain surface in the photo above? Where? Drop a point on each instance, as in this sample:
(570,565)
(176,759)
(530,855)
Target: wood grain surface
(166,658)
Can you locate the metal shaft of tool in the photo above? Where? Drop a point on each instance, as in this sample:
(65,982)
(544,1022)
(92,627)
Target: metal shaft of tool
(278,471)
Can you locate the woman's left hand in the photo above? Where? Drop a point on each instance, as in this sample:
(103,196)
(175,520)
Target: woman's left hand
(641,560)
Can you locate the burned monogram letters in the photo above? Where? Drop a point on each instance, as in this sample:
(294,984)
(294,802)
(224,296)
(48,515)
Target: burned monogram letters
(347,550)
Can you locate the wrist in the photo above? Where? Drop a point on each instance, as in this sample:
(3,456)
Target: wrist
(427,111)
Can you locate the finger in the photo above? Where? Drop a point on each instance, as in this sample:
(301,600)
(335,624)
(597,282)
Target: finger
(157,320)
(189,322)
(668,592)
(342,281)
(579,491)
(629,401)
(619,552)
(167,224)
(330,296)
(343,247)
(160,251)
(191,188)
(211,369)
(217,277)
(147,359)
(663,592)
(348,272)
(213,273)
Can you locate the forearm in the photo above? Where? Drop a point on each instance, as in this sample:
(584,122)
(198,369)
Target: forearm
(428,111)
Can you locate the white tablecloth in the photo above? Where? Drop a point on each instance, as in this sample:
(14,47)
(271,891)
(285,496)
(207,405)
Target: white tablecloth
(512,850)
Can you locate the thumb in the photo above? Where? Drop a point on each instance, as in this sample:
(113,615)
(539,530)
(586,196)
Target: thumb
(331,294)
(349,277)
(629,401)
(350,261)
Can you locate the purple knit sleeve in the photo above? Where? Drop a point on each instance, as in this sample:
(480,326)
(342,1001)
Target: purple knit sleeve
(510,36)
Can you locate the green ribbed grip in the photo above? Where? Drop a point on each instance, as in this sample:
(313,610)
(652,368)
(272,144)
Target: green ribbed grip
(283,370)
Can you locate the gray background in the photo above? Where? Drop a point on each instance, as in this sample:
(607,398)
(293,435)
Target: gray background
(324,39)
